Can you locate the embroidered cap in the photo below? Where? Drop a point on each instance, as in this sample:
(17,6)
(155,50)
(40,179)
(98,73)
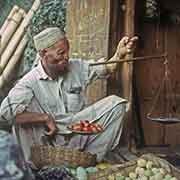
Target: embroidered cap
(48,37)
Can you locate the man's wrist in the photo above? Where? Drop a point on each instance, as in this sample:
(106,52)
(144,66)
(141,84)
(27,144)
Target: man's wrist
(45,118)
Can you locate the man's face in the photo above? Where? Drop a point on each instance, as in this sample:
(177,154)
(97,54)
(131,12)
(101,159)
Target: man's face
(55,59)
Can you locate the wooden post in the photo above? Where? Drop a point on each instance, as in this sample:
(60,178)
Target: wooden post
(127,68)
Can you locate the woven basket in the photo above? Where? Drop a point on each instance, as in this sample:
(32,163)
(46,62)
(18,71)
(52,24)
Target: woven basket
(42,155)
(130,166)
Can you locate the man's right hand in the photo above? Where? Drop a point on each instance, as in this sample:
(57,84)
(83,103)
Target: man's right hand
(34,117)
(126,46)
(51,125)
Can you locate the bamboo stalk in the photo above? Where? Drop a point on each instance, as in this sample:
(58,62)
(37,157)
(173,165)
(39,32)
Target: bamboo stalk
(5,76)
(12,12)
(11,27)
(129,60)
(0,47)
(18,35)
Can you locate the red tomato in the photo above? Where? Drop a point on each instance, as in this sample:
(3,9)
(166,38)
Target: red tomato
(85,123)
(99,127)
(77,127)
(94,129)
(82,123)
(87,129)
(92,125)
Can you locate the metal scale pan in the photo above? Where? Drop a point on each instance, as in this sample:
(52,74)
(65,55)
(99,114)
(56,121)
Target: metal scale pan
(171,116)
(165,120)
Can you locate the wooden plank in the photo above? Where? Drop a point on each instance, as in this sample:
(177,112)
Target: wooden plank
(149,76)
(127,67)
(172,132)
(88,32)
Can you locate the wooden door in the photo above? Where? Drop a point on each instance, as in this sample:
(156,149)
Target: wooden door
(154,40)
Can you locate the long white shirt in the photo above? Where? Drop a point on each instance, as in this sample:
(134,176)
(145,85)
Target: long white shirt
(36,92)
(64,99)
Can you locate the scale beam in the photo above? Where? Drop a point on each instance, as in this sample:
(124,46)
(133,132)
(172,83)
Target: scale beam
(129,60)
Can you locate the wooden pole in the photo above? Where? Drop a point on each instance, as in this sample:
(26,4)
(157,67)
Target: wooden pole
(127,69)
(14,10)
(18,36)
(5,76)
(11,27)
(0,47)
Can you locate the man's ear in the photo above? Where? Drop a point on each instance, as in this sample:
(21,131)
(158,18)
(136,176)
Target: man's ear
(42,53)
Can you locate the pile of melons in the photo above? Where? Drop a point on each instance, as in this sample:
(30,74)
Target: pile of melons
(145,170)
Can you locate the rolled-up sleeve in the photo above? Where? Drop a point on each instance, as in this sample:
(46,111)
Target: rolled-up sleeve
(90,73)
(15,103)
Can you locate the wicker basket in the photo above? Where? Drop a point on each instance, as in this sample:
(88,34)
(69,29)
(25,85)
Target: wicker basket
(130,166)
(42,155)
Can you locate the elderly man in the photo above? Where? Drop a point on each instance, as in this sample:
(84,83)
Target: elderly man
(50,97)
